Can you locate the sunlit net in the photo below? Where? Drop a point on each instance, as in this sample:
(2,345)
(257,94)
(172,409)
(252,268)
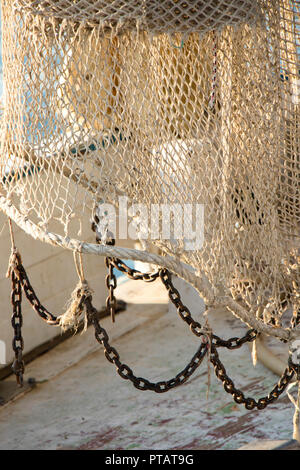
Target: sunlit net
(165,102)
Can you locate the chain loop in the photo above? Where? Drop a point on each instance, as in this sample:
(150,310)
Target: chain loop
(20,279)
(17,322)
(238,395)
(196,328)
(126,372)
(33,299)
(111,284)
(133,273)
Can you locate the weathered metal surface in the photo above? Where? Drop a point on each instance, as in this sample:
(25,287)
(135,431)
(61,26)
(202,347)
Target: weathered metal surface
(84,404)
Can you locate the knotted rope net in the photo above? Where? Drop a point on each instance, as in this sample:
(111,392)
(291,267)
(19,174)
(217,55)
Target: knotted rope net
(166,103)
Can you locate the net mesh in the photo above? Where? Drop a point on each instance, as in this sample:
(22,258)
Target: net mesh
(167,103)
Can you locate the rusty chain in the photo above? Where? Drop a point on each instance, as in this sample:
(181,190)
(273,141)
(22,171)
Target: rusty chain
(195,326)
(238,395)
(126,372)
(17,322)
(143,384)
(102,337)
(175,298)
(134,273)
(20,279)
(33,299)
(232,343)
(120,265)
(215,342)
(111,280)
(111,284)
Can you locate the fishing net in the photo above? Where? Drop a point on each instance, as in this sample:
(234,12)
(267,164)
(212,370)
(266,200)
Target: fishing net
(170,103)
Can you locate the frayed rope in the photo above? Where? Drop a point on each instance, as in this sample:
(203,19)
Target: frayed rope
(71,318)
(15,257)
(13,263)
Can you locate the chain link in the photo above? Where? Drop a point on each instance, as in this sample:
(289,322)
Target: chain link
(20,279)
(196,328)
(111,280)
(234,343)
(111,284)
(17,322)
(238,395)
(33,299)
(111,353)
(182,309)
(126,372)
(120,265)
(134,273)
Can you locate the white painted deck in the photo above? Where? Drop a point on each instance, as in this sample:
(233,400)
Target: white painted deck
(81,402)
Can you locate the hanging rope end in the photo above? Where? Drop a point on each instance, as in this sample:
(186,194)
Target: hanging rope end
(72,316)
(254,353)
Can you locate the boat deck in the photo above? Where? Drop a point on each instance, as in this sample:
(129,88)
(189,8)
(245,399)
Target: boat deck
(80,402)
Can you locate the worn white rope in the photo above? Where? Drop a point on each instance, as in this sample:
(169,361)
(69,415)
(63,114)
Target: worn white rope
(14,254)
(296,403)
(79,265)
(202,285)
(198,281)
